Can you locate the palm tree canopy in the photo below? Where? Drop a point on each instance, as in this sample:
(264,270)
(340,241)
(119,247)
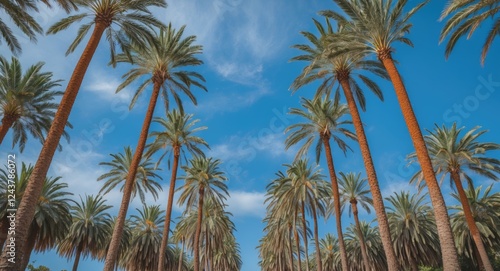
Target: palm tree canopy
(452,152)
(133,18)
(375,251)
(177,131)
(353,190)
(324,119)
(164,61)
(465,18)
(18,12)
(27,100)
(144,180)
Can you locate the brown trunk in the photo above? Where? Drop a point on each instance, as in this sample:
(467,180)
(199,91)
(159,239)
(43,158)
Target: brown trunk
(4,228)
(171,191)
(413,264)
(479,263)
(129,182)
(319,265)
(198,231)
(336,201)
(304,229)
(362,243)
(181,257)
(77,258)
(378,200)
(448,249)
(291,248)
(30,244)
(297,241)
(206,251)
(26,209)
(7,122)
(469,217)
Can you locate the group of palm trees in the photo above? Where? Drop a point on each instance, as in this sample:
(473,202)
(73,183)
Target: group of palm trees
(409,233)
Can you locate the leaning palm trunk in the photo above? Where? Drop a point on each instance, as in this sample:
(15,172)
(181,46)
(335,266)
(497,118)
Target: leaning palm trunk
(319,265)
(198,232)
(171,191)
(448,249)
(7,122)
(474,231)
(304,228)
(26,209)
(129,183)
(336,201)
(362,244)
(378,200)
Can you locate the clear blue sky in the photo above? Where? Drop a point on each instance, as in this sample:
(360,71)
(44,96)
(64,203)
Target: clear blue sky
(247,47)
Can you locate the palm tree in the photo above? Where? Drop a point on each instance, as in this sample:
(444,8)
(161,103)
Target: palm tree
(165,63)
(347,70)
(374,249)
(203,180)
(134,21)
(91,226)
(414,230)
(329,253)
(177,133)
(124,243)
(324,122)
(353,191)
(373,28)
(26,101)
(18,11)
(466,17)
(484,206)
(451,154)
(120,166)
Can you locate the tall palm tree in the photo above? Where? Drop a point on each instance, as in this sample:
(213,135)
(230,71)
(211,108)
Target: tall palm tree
(349,72)
(124,243)
(165,63)
(353,191)
(485,207)
(330,253)
(374,249)
(373,28)
(176,135)
(414,230)
(203,180)
(26,101)
(90,228)
(134,22)
(466,17)
(18,11)
(324,121)
(120,166)
(451,154)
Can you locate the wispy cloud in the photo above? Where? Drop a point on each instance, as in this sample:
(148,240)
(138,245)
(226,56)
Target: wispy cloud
(242,203)
(104,85)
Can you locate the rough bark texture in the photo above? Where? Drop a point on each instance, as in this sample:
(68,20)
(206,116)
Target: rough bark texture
(469,217)
(77,258)
(448,249)
(304,228)
(336,202)
(171,192)
(30,244)
(196,258)
(26,209)
(4,228)
(114,245)
(7,122)
(319,265)
(362,243)
(378,200)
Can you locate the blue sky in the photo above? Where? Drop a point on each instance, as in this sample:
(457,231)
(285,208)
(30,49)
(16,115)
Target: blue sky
(247,47)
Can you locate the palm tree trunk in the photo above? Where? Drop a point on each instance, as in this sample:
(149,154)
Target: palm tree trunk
(129,182)
(181,257)
(30,244)
(336,202)
(206,251)
(319,265)
(171,192)
(198,231)
(362,243)
(26,209)
(4,229)
(77,258)
(7,122)
(291,248)
(448,249)
(469,217)
(479,263)
(297,241)
(413,264)
(378,200)
(304,229)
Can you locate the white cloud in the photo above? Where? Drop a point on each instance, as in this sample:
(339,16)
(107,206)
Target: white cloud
(242,203)
(104,85)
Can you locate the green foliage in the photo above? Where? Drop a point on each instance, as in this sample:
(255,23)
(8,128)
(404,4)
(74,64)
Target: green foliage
(429,268)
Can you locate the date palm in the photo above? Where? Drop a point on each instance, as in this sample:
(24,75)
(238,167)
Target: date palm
(175,137)
(120,166)
(26,101)
(330,253)
(451,154)
(485,206)
(164,63)
(90,228)
(353,191)
(324,121)
(203,181)
(465,18)
(374,27)
(124,243)
(374,249)
(123,21)
(19,12)
(414,230)
(350,72)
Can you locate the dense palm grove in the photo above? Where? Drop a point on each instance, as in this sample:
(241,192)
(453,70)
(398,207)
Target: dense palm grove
(350,51)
